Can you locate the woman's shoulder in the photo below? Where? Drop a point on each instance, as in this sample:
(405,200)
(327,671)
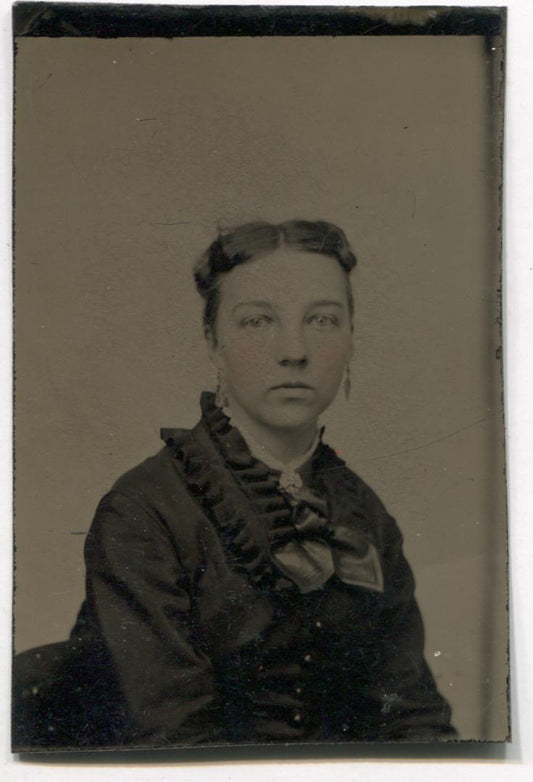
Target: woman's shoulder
(358,499)
(335,471)
(155,487)
(153,473)
(151,505)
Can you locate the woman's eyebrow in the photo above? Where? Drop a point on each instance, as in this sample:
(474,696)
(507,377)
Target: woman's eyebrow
(264,304)
(327,303)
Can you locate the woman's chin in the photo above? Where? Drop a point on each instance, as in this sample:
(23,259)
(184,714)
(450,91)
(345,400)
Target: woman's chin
(292,414)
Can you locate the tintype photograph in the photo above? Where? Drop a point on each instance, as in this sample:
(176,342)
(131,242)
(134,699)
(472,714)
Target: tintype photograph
(259,483)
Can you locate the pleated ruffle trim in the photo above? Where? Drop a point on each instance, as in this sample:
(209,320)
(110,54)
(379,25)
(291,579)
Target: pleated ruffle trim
(242,497)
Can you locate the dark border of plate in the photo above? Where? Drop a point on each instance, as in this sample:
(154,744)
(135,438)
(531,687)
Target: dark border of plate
(167,21)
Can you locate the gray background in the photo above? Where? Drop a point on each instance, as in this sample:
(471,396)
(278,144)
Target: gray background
(129,155)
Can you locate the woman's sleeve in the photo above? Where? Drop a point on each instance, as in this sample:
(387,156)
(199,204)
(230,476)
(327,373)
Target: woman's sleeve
(399,681)
(140,599)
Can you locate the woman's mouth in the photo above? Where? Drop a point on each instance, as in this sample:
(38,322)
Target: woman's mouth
(303,386)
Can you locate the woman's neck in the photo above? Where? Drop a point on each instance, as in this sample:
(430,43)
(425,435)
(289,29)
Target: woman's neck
(285,445)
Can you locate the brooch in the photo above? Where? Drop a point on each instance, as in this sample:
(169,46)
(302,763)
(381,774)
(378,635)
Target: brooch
(291,482)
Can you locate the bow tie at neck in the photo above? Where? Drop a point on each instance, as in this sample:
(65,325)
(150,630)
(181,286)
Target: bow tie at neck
(290,479)
(310,550)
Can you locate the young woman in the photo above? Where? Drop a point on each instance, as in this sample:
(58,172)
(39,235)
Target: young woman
(243,585)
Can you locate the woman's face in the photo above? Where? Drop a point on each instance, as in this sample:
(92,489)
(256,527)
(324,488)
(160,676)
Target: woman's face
(283,337)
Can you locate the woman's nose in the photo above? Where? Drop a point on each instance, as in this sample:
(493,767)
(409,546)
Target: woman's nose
(291,347)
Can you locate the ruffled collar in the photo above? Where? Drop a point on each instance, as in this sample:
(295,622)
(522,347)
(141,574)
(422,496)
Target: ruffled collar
(242,497)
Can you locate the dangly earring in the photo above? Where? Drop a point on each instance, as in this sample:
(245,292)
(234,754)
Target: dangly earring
(347,382)
(221,397)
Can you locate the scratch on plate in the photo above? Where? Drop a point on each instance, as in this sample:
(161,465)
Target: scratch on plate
(178,222)
(432,442)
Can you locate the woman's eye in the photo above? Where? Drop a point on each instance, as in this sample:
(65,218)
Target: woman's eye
(256,322)
(323,321)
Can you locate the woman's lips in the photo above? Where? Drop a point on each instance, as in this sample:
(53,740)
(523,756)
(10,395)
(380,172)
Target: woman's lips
(293,387)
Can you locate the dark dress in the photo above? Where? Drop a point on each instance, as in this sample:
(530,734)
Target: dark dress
(194,631)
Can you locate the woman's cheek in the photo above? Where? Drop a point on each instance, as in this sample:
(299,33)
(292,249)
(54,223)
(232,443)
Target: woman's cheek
(331,356)
(245,360)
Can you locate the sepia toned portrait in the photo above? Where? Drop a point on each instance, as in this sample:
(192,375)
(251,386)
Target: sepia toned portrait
(260,490)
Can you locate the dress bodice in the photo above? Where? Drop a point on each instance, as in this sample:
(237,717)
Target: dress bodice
(225,620)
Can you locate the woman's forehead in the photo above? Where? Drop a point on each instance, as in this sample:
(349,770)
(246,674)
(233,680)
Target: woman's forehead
(285,276)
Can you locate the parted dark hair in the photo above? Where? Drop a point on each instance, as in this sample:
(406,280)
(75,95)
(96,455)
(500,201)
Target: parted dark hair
(253,240)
